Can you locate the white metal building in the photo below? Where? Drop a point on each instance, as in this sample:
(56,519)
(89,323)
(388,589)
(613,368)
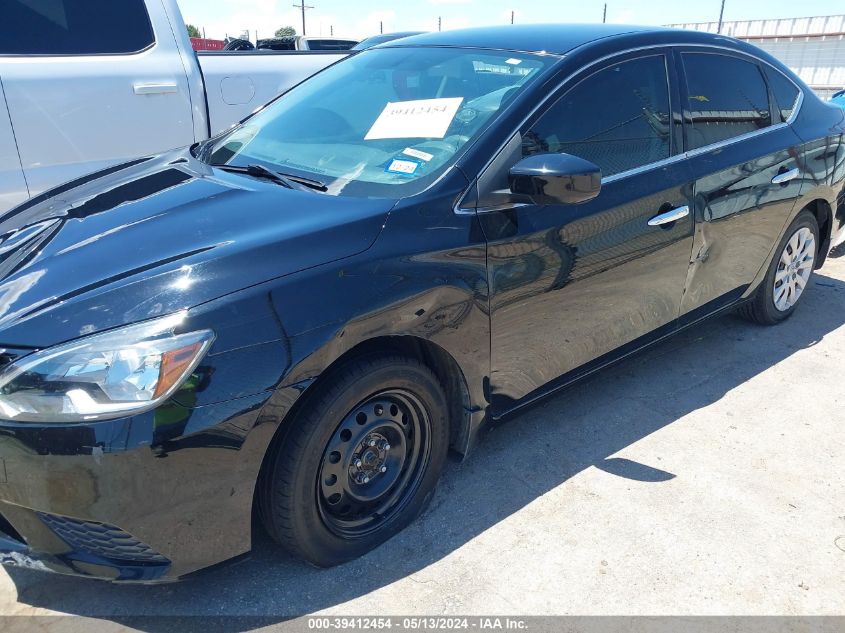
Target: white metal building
(812,47)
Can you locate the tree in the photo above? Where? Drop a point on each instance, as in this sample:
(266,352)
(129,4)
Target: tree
(193,31)
(286,31)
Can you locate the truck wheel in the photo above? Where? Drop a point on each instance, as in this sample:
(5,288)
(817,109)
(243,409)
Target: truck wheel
(360,462)
(789,274)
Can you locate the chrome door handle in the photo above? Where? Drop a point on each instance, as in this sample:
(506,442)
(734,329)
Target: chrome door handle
(167,87)
(785,177)
(670,216)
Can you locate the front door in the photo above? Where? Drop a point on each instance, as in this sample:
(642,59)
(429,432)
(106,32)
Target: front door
(574,286)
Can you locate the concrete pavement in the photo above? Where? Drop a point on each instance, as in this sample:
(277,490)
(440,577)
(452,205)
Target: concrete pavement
(704,476)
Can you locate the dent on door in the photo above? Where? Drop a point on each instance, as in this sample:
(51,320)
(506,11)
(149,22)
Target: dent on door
(740,214)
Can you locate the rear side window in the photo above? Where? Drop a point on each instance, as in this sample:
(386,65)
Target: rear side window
(618,118)
(786,93)
(74,27)
(727,97)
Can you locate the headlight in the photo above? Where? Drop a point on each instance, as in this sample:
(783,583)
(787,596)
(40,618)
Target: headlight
(121,372)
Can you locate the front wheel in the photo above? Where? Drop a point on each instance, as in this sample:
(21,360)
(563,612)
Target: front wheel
(360,462)
(789,274)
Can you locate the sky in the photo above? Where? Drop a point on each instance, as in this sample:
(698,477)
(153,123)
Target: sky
(360,18)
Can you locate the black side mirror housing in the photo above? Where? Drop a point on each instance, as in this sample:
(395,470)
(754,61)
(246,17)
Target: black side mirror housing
(555,179)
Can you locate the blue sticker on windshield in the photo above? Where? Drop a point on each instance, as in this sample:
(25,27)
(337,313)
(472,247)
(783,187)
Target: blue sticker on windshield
(402,166)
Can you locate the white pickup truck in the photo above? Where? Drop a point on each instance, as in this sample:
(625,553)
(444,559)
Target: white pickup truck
(85,84)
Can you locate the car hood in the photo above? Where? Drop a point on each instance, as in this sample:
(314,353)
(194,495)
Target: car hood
(157,236)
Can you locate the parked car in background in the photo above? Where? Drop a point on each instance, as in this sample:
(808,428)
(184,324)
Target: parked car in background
(117,80)
(839,98)
(303,43)
(375,40)
(296,320)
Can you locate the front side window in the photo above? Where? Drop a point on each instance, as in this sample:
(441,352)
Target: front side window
(618,118)
(727,97)
(384,123)
(74,27)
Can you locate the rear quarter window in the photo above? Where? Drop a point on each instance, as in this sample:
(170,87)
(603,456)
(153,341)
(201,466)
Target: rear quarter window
(786,93)
(74,27)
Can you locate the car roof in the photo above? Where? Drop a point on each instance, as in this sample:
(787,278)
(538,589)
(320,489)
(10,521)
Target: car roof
(384,38)
(396,34)
(548,38)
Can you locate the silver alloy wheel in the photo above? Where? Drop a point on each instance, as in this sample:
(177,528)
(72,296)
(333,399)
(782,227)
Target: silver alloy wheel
(794,269)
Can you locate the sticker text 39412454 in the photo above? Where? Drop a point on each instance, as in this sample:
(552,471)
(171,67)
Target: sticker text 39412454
(425,118)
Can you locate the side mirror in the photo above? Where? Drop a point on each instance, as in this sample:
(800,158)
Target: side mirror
(556,179)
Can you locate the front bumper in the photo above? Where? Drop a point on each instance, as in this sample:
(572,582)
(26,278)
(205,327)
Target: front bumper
(117,555)
(149,498)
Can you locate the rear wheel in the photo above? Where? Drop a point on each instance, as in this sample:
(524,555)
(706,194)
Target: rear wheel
(360,462)
(789,274)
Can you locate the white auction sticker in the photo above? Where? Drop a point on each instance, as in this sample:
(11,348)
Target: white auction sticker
(426,118)
(410,151)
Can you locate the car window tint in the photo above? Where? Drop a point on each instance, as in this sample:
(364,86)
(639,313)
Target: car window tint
(331,45)
(74,27)
(727,97)
(786,92)
(618,118)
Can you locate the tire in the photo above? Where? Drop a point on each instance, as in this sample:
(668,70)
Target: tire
(360,462)
(776,299)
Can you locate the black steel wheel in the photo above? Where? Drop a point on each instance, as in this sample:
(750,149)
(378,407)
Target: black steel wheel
(374,463)
(360,462)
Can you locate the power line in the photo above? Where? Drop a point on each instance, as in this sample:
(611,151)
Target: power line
(303,7)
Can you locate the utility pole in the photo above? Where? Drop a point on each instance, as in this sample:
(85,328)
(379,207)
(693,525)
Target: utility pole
(331,30)
(381,27)
(721,17)
(303,7)
(604,19)
(512,15)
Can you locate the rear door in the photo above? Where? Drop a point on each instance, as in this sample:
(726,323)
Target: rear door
(745,160)
(13,189)
(574,286)
(90,83)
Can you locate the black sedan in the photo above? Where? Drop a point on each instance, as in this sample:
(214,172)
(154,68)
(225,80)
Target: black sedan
(296,320)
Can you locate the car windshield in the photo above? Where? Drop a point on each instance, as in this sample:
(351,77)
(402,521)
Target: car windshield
(383,123)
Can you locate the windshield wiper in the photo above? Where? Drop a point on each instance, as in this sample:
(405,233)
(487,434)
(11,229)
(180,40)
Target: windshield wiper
(260,171)
(308,182)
